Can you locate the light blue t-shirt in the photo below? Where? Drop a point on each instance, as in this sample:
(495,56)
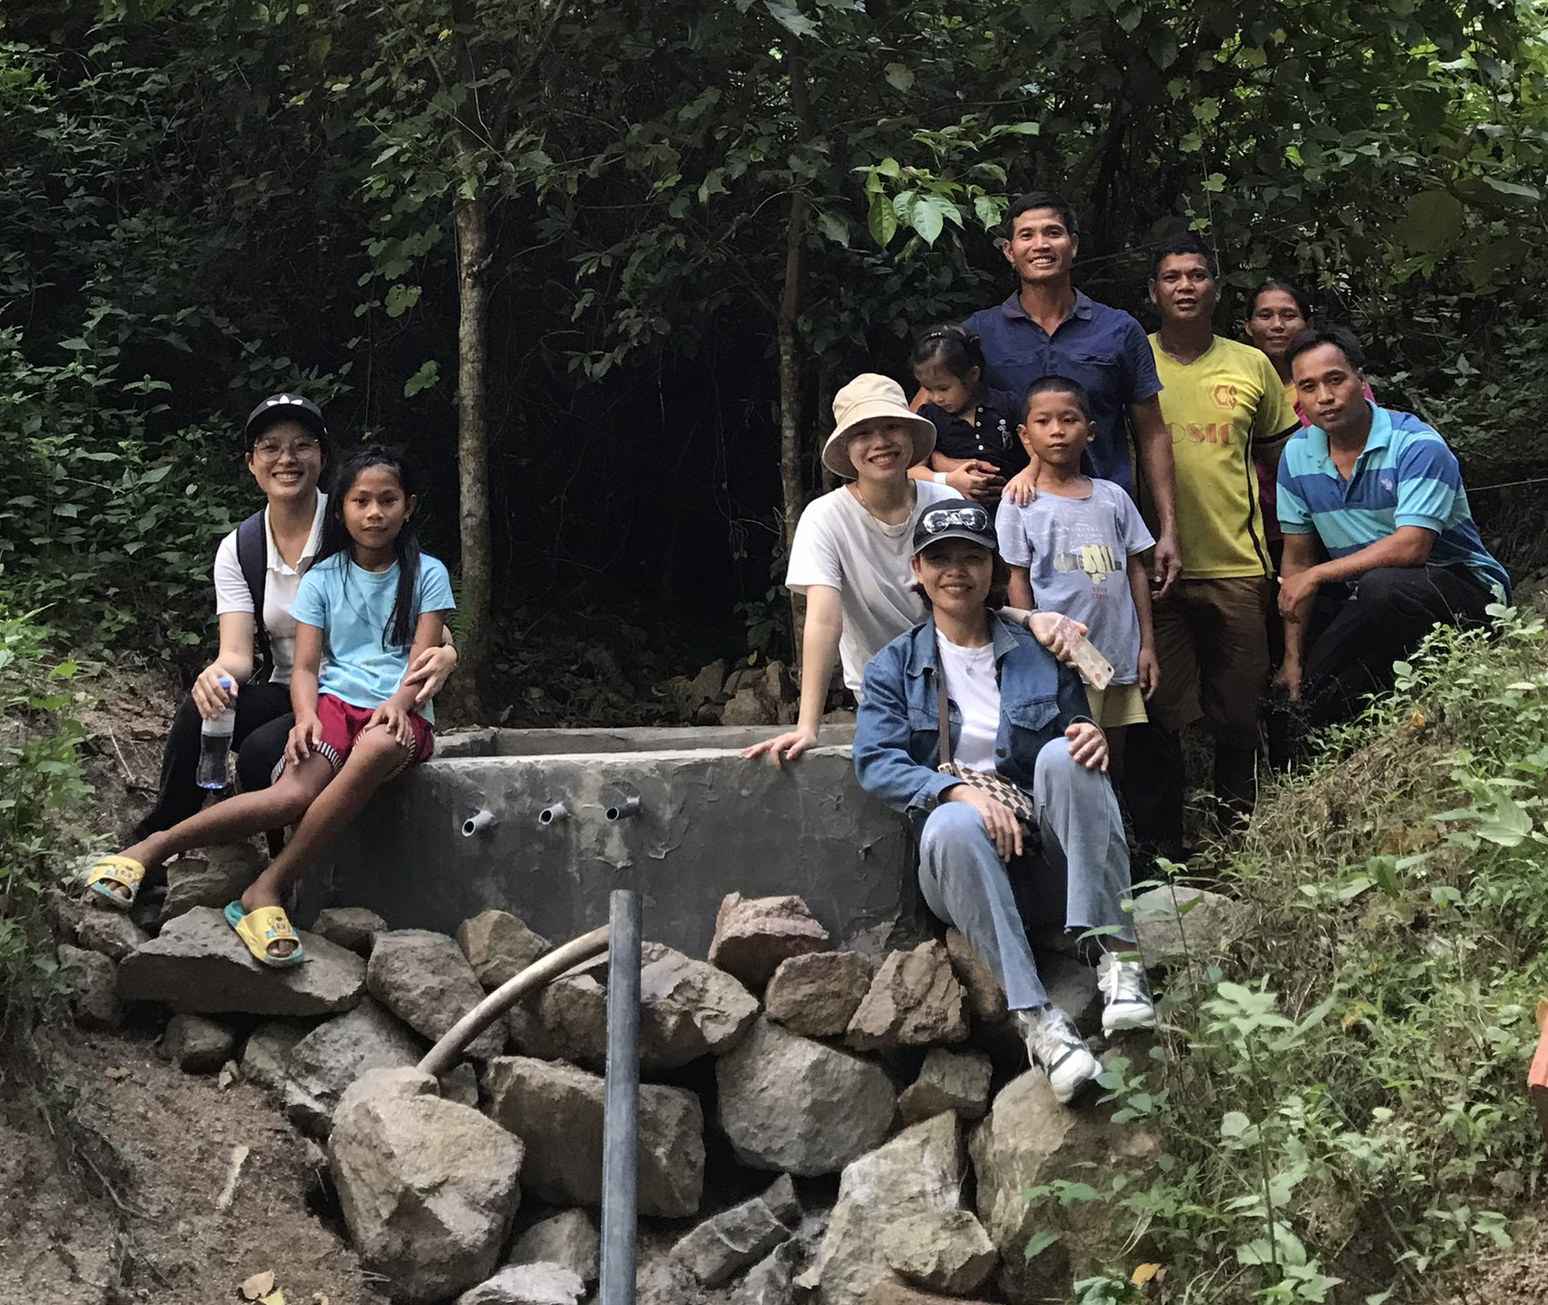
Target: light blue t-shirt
(1076,551)
(352,607)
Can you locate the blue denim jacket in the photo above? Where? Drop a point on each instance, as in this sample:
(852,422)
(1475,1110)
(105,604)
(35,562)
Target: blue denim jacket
(898,726)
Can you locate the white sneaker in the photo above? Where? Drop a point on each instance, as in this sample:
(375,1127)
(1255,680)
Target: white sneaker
(1056,1047)
(1126,1000)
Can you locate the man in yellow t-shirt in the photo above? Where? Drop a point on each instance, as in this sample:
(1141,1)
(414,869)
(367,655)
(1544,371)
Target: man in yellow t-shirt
(1223,404)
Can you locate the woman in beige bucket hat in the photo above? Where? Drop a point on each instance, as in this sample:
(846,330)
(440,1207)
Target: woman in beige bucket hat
(851,552)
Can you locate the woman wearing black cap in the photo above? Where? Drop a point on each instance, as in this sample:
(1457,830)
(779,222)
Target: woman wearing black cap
(258,568)
(1021,759)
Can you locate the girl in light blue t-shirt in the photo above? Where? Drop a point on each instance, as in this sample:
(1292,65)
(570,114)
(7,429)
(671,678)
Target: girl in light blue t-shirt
(373,602)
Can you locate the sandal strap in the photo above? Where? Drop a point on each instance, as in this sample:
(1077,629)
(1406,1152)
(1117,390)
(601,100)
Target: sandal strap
(123,870)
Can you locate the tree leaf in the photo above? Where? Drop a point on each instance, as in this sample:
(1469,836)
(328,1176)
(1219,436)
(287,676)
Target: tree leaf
(927,218)
(899,77)
(791,19)
(1040,1243)
(881,219)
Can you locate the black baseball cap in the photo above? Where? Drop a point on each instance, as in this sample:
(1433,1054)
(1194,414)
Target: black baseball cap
(955,518)
(283,407)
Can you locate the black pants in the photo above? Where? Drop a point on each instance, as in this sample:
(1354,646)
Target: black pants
(1356,631)
(263,721)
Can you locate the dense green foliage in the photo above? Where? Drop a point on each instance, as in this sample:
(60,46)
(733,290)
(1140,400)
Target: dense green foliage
(40,777)
(1340,1095)
(200,201)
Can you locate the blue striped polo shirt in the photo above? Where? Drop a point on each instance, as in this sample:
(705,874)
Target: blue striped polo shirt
(1405,476)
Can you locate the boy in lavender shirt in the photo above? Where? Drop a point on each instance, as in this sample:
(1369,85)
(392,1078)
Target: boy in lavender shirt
(1076,549)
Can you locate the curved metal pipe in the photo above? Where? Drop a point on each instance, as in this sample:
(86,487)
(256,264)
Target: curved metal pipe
(476,822)
(552,812)
(445,1053)
(624,810)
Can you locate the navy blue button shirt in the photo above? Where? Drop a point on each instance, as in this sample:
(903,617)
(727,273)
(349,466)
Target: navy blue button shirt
(991,437)
(1102,348)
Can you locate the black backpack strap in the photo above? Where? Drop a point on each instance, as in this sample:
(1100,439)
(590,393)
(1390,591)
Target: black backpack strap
(252,549)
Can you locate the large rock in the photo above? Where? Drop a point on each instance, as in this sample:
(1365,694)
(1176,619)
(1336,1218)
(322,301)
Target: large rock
(986,998)
(424,979)
(528,1284)
(754,934)
(1071,985)
(942,1250)
(688,1009)
(948,1080)
(918,1172)
(212,877)
(818,994)
(1174,921)
(351,927)
(428,1188)
(796,1106)
(1028,1140)
(557,1110)
(569,1238)
(198,964)
(266,1055)
(334,1054)
(499,946)
(772,1280)
(914,1000)
(894,1291)
(101,929)
(721,1247)
(197,1045)
(90,980)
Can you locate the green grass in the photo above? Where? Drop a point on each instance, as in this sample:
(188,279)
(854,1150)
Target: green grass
(1340,1095)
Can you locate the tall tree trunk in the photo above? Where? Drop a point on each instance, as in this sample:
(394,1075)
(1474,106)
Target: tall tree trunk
(475,645)
(790,399)
(790,451)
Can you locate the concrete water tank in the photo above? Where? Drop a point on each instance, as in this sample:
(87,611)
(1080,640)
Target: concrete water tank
(545,823)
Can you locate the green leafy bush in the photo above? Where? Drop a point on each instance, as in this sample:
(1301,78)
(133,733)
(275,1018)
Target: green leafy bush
(1340,1095)
(40,777)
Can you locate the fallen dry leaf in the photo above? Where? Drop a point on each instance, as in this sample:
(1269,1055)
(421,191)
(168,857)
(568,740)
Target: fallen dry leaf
(275,1297)
(117,1072)
(259,1285)
(1143,1273)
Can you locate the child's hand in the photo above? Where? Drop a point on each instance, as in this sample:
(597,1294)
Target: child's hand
(1149,673)
(1023,485)
(305,735)
(396,720)
(976,480)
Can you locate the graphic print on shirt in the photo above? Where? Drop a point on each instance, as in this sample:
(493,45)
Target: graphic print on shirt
(1080,544)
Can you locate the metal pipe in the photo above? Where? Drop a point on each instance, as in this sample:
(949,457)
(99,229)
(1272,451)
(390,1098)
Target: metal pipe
(620,1121)
(627,809)
(476,822)
(444,1054)
(552,812)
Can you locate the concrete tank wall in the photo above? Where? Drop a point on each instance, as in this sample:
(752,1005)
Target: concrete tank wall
(709,823)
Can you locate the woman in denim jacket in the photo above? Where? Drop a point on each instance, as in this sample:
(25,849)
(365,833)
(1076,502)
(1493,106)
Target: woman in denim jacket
(1016,711)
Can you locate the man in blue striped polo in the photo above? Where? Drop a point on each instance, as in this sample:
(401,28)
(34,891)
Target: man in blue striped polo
(1382,494)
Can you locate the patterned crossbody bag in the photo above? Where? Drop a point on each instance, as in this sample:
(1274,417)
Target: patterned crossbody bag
(992,783)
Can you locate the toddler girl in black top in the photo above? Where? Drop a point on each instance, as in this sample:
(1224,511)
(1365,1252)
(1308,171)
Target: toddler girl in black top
(976,446)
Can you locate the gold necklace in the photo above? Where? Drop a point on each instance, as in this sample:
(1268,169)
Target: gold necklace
(913,497)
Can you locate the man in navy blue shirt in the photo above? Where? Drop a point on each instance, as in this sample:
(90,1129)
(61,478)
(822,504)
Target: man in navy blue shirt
(1049,328)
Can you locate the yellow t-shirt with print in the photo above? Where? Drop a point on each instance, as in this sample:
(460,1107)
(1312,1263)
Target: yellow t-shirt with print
(1215,408)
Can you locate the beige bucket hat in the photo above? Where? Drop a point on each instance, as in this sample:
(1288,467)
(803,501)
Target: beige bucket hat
(870,395)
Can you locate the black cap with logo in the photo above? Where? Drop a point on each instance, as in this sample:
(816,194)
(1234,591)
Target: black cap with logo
(283,407)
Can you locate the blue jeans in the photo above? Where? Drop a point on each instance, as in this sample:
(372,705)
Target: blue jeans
(967,885)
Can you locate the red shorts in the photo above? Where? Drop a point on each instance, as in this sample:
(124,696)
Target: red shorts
(341,726)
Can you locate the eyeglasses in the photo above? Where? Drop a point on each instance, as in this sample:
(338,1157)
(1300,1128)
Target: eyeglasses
(273,450)
(969,518)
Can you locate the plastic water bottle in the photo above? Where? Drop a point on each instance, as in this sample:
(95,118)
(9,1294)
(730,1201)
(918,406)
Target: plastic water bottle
(215,746)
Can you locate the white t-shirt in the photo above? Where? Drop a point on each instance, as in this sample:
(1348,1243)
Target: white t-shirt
(279,590)
(972,685)
(839,543)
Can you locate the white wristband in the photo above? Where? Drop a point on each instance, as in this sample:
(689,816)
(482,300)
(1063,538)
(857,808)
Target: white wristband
(939,477)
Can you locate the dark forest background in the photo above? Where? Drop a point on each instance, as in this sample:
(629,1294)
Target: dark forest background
(600,267)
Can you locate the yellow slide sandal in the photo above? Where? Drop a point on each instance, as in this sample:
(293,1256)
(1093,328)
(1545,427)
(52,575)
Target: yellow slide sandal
(124,871)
